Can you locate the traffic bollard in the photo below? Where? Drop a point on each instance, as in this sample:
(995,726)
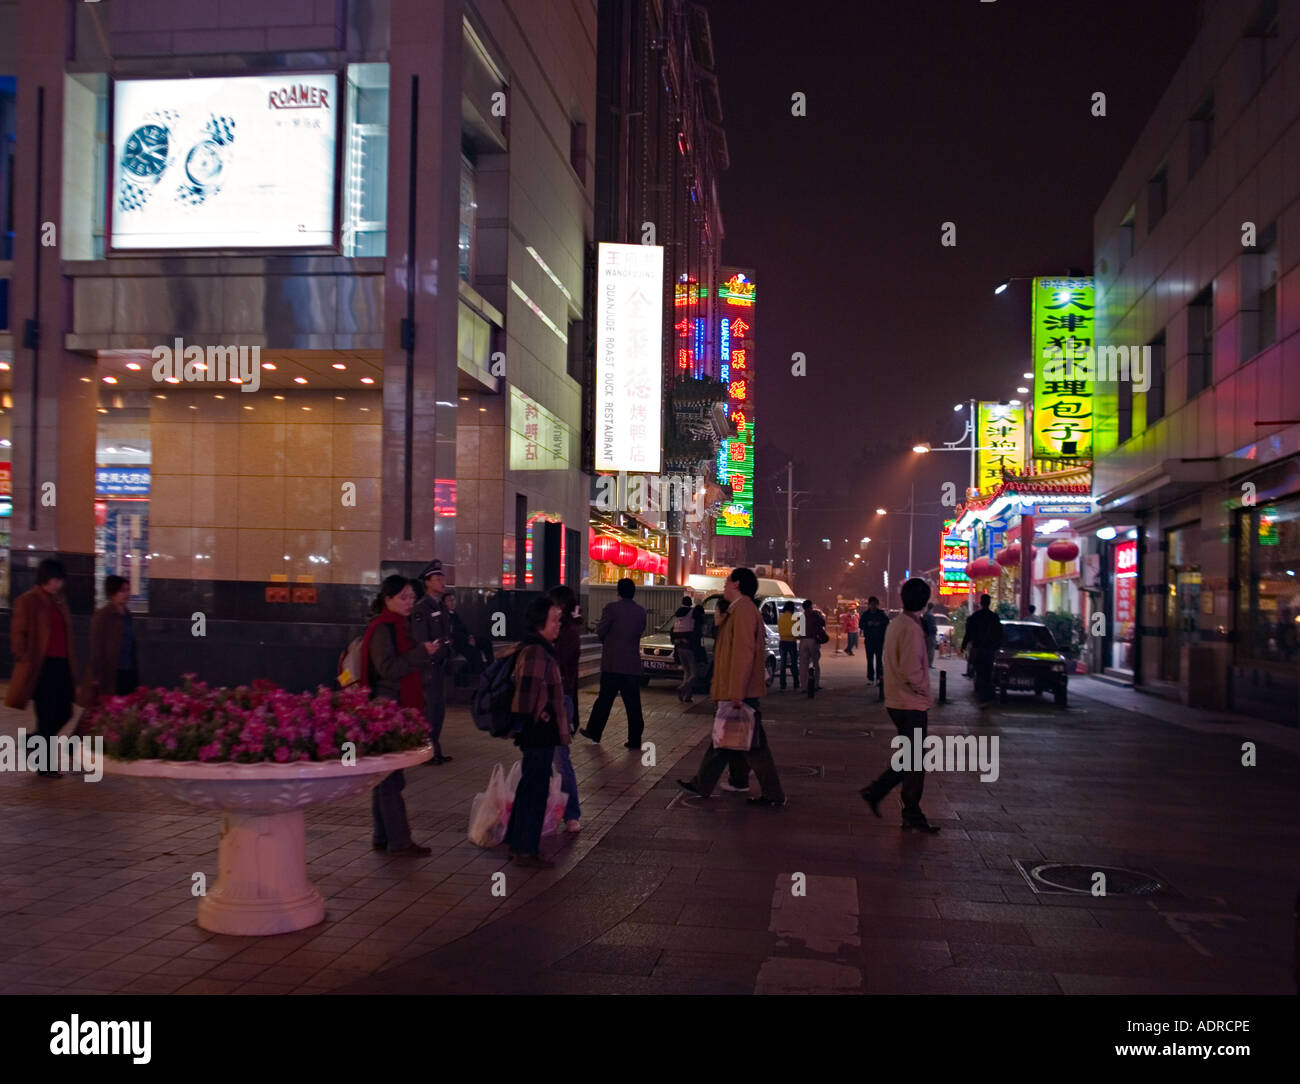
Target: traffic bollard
(943,686)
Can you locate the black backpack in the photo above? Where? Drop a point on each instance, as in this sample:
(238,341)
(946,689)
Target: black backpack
(495,693)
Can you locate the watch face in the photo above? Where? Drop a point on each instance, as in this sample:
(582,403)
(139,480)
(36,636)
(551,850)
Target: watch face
(145,152)
(203,163)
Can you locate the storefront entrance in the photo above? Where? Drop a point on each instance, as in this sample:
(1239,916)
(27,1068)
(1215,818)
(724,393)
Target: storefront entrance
(1183,602)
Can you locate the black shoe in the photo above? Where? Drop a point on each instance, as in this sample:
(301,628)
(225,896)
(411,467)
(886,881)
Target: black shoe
(767,802)
(631,745)
(920,826)
(414,850)
(589,737)
(872,801)
(375,845)
(689,787)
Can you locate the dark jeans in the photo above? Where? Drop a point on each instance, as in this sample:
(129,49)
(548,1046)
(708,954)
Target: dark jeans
(53,696)
(388,813)
(984,657)
(127,681)
(524,832)
(739,762)
(913,782)
(435,709)
(628,686)
(875,665)
(790,657)
(853,642)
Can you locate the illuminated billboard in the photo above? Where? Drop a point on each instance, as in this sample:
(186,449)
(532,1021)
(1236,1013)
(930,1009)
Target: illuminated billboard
(954,556)
(538,439)
(1063,334)
(736,370)
(1001,444)
(235,162)
(629,373)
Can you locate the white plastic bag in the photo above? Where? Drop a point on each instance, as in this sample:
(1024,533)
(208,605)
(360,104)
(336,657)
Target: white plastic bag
(489,813)
(733,728)
(556,800)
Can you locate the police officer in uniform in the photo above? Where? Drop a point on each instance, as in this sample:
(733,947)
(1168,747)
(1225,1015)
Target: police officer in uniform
(431,622)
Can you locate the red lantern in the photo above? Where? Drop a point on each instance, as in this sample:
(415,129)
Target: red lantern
(663,566)
(625,557)
(1063,550)
(1009,557)
(982,569)
(603,548)
(645,561)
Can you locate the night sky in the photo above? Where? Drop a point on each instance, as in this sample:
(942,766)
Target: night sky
(918,112)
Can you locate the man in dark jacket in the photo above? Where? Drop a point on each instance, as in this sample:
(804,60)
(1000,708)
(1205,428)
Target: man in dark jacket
(688,627)
(984,633)
(431,622)
(872,624)
(619,631)
(112,670)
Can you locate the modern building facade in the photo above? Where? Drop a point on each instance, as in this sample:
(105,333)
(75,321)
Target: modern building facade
(361,227)
(1197,481)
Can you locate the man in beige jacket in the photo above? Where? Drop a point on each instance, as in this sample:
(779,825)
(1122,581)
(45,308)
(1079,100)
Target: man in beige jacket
(740,677)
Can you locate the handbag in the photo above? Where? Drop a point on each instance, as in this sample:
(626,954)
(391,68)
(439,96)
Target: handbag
(733,728)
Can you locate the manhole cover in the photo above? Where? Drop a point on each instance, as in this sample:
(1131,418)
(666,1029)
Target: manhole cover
(1084,880)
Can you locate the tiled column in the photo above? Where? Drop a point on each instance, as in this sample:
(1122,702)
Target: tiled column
(54,415)
(426,44)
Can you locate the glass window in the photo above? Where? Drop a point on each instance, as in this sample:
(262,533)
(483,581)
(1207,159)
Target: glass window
(365,165)
(1268,610)
(468,208)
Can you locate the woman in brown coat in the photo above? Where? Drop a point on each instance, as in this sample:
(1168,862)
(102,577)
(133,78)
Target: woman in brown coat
(41,638)
(112,670)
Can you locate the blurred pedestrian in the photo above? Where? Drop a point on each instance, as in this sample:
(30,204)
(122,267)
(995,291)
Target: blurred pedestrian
(850,626)
(984,635)
(40,635)
(740,678)
(907,699)
(620,628)
(568,653)
(543,724)
(789,643)
(112,670)
(811,638)
(688,625)
(873,624)
(395,670)
(431,622)
(931,629)
(478,654)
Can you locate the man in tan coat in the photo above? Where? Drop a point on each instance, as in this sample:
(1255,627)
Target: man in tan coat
(740,677)
(41,638)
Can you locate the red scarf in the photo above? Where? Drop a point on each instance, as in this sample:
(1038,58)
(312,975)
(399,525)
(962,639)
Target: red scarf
(412,686)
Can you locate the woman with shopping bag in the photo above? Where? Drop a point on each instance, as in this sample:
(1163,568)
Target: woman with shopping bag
(541,723)
(739,679)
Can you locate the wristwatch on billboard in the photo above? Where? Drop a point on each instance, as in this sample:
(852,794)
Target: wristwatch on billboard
(206,161)
(146,154)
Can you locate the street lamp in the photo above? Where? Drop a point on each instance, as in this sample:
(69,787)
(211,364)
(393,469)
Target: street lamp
(920,449)
(880,512)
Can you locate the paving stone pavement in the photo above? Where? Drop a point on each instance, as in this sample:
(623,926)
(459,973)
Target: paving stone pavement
(667,894)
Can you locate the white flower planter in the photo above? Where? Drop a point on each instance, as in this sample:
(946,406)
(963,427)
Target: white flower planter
(262,886)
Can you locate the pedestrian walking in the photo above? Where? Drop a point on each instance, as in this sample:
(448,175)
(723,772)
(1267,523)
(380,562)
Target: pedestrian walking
(688,625)
(620,628)
(931,629)
(112,670)
(431,622)
(907,699)
(568,653)
(540,715)
(740,677)
(813,635)
(983,634)
(850,626)
(396,671)
(789,643)
(40,636)
(873,624)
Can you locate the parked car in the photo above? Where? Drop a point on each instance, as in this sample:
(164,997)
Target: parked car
(658,656)
(1029,660)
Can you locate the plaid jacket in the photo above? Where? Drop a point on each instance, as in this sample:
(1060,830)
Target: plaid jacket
(539,689)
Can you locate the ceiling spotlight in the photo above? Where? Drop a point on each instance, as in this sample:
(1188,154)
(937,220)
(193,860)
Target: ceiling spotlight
(1023,391)
(300,380)
(134,366)
(367,380)
(268,365)
(339,365)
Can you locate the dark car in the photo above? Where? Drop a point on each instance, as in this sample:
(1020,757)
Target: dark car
(659,659)
(1029,661)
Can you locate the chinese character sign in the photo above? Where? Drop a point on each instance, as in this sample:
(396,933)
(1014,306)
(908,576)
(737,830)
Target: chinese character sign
(629,376)
(1063,337)
(1001,444)
(736,457)
(954,556)
(538,439)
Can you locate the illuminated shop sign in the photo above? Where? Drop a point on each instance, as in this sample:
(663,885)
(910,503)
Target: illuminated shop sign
(538,439)
(1063,333)
(1001,444)
(736,356)
(121,481)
